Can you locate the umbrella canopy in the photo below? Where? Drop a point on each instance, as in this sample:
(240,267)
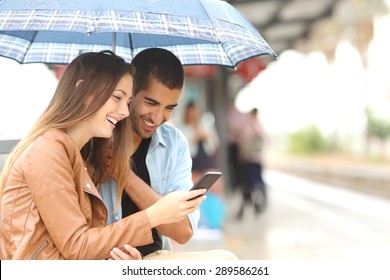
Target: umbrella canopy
(197,31)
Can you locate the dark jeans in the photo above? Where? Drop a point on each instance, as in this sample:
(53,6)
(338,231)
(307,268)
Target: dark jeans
(253,174)
(253,188)
(236,170)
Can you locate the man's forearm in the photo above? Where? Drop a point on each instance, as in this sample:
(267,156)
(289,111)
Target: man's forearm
(144,196)
(181,231)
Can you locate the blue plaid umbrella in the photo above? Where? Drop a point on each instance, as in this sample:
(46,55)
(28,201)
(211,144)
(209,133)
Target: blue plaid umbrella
(197,31)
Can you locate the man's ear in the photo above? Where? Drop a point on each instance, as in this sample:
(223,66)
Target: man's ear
(79,82)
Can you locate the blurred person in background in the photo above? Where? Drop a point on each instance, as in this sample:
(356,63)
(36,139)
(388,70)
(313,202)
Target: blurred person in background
(204,143)
(234,121)
(251,156)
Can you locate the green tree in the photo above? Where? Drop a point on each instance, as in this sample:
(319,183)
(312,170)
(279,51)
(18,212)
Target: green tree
(377,127)
(309,140)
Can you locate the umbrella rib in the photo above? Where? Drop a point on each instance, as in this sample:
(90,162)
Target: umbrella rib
(34,34)
(213,29)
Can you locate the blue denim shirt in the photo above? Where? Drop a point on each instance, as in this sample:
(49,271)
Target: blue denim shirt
(169,164)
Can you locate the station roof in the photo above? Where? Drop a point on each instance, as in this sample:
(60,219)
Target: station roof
(283,23)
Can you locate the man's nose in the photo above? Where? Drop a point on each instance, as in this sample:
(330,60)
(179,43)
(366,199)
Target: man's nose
(158,115)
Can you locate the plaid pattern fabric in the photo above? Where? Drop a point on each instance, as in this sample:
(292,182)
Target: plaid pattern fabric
(29,36)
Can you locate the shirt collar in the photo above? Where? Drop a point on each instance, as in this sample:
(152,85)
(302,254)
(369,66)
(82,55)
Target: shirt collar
(158,137)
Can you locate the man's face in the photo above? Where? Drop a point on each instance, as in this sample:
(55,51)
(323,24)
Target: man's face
(152,107)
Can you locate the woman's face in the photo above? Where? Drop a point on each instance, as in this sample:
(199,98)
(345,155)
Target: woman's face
(114,110)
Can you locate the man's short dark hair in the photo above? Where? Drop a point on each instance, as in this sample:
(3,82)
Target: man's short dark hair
(159,64)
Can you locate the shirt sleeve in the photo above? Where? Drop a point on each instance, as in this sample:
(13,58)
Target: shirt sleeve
(169,163)
(180,175)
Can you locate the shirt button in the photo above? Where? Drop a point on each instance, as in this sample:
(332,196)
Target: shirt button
(88,185)
(116,218)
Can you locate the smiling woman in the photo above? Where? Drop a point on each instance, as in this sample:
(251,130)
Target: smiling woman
(94,88)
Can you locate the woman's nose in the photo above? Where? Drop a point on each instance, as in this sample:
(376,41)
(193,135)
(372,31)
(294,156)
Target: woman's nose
(124,110)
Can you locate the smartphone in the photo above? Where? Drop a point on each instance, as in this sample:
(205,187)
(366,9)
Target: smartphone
(206,181)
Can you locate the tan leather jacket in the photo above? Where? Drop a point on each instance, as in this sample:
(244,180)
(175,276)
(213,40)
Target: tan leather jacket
(50,209)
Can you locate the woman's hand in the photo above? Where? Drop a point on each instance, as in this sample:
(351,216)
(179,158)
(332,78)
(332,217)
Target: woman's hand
(131,254)
(174,206)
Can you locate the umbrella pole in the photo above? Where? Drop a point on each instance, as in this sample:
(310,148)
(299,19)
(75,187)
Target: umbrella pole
(113,41)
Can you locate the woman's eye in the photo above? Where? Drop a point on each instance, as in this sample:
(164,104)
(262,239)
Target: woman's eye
(117,97)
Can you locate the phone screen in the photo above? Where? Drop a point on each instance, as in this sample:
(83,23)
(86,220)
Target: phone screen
(206,181)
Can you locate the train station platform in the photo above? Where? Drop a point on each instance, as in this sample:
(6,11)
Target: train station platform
(362,175)
(305,219)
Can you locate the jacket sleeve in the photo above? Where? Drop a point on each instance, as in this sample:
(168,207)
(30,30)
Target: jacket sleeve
(52,185)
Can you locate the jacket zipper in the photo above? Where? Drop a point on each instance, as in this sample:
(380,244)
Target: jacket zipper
(43,246)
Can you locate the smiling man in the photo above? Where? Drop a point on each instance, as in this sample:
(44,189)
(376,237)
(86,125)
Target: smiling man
(160,154)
